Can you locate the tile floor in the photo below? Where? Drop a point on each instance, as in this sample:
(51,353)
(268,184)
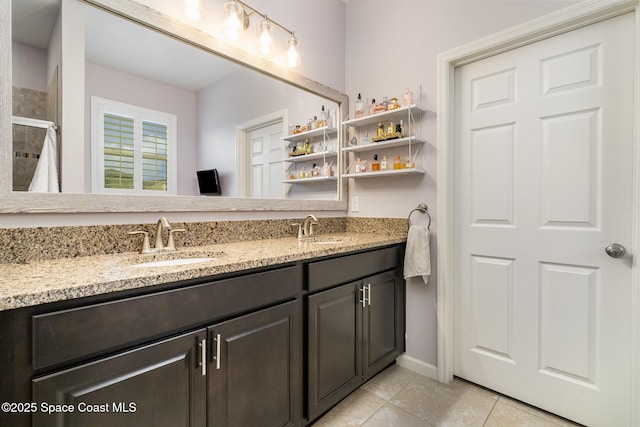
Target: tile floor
(398,397)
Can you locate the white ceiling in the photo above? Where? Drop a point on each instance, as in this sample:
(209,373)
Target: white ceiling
(115,43)
(119,44)
(33,21)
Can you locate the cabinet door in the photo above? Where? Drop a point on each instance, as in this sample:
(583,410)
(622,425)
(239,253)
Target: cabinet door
(255,371)
(334,329)
(383,321)
(157,385)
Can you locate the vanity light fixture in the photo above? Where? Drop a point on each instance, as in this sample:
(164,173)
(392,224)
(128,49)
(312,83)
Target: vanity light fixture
(238,20)
(265,36)
(293,57)
(193,9)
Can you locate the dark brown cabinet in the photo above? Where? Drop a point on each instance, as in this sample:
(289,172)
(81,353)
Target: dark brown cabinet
(383,322)
(156,385)
(334,347)
(255,374)
(354,331)
(272,347)
(251,377)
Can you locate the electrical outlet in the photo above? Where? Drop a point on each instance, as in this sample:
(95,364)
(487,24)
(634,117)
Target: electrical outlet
(355,204)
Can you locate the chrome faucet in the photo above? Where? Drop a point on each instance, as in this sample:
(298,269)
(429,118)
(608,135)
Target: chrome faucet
(307,225)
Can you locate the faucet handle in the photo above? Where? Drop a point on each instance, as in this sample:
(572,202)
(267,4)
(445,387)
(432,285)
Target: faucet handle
(299,229)
(171,244)
(146,248)
(311,224)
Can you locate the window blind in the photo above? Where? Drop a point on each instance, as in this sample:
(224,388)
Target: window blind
(154,156)
(119,152)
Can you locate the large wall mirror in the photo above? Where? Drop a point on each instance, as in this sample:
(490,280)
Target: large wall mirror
(139,109)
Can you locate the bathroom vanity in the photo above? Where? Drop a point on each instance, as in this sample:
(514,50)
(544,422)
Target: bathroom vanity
(274,341)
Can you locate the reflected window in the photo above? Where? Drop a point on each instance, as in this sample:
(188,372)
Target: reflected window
(133,149)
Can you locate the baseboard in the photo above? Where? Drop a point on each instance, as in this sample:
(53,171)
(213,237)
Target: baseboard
(418,366)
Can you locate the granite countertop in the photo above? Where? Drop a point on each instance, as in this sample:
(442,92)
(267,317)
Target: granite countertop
(39,282)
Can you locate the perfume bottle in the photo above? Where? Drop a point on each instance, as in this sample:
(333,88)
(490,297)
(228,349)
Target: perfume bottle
(399,129)
(315,170)
(390,129)
(303,173)
(384,164)
(358,165)
(326,171)
(408,164)
(379,108)
(375,165)
(307,146)
(380,131)
(407,97)
(359,107)
(397,163)
(366,140)
(372,107)
(385,102)
(323,117)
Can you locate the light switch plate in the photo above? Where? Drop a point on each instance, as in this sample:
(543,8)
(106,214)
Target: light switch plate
(355,204)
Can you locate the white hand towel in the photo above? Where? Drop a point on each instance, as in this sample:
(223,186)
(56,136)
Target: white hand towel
(417,258)
(45,178)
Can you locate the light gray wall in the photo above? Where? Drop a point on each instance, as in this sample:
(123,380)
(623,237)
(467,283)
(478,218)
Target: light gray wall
(390,47)
(29,67)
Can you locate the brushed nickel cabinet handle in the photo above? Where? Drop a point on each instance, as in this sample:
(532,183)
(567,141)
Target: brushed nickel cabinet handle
(203,357)
(217,356)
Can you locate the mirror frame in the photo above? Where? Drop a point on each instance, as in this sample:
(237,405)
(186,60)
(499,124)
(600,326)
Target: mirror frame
(25,202)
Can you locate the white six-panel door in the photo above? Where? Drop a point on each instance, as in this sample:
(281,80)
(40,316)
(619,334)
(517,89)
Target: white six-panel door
(266,154)
(543,161)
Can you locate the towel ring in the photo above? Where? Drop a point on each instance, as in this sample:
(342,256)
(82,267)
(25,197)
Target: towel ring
(422,207)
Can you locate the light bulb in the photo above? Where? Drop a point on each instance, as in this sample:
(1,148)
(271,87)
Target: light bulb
(265,36)
(234,24)
(293,58)
(193,9)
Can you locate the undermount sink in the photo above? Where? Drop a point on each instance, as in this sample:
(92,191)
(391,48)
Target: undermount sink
(171,259)
(328,240)
(171,262)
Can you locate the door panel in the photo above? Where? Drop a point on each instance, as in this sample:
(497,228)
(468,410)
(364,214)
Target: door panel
(156,385)
(544,148)
(380,322)
(257,382)
(267,170)
(334,338)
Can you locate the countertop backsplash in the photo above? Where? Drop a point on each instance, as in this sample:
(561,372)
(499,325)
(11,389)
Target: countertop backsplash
(21,245)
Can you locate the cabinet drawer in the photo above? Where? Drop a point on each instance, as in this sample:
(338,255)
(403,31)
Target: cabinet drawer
(78,333)
(334,271)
